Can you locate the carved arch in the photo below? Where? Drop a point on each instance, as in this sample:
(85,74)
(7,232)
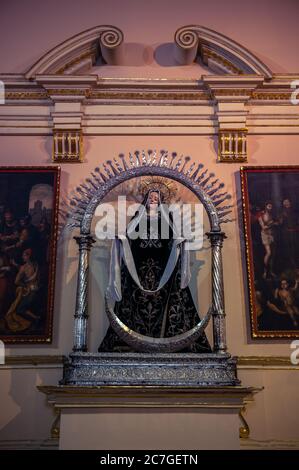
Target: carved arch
(81,51)
(220,53)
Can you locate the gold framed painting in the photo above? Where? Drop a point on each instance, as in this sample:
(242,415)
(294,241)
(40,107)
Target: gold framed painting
(270,197)
(29,198)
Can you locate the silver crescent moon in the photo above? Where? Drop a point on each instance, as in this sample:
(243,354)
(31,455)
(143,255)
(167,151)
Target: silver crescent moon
(144,343)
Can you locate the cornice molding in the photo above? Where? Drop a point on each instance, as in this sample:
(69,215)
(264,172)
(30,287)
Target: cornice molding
(246,88)
(221,397)
(97,106)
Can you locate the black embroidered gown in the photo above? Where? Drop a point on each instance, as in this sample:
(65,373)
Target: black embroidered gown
(167,312)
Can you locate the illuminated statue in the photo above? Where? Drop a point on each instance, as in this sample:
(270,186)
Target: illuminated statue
(149,276)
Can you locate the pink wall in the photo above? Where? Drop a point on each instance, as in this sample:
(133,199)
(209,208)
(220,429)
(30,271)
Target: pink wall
(267,28)
(263,150)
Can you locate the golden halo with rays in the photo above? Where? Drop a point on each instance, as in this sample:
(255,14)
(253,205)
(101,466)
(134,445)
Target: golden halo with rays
(167,187)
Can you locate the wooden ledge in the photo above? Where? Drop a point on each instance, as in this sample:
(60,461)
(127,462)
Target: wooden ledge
(227,397)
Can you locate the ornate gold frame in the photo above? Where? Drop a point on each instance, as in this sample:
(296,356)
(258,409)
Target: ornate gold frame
(255,333)
(47,337)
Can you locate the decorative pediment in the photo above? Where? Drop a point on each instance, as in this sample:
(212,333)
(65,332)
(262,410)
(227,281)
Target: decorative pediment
(64,95)
(80,52)
(221,54)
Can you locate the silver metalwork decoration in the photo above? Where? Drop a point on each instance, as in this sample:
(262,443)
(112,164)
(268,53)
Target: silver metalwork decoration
(83,368)
(132,163)
(101,182)
(154,157)
(187,159)
(148,344)
(203,184)
(112,167)
(190,169)
(199,167)
(119,168)
(107,171)
(173,157)
(201,177)
(122,158)
(165,160)
(177,166)
(104,178)
(149,157)
(219,333)
(81,313)
(175,369)
(144,159)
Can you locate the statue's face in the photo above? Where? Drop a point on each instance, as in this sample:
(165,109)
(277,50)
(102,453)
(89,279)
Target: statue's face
(153,199)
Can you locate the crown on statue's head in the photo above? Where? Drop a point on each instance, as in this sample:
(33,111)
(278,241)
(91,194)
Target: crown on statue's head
(166,187)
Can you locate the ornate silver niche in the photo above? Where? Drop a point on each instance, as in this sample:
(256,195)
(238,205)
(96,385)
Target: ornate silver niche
(150,368)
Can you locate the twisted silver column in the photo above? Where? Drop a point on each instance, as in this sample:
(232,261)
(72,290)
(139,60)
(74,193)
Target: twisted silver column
(219,333)
(81,314)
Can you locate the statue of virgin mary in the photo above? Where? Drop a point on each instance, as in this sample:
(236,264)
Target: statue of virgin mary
(149,276)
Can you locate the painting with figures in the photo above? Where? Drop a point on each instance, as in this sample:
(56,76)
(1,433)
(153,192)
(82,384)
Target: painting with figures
(271,221)
(28,226)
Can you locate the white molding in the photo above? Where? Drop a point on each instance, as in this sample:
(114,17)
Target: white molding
(150,107)
(217,51)
(80,50)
